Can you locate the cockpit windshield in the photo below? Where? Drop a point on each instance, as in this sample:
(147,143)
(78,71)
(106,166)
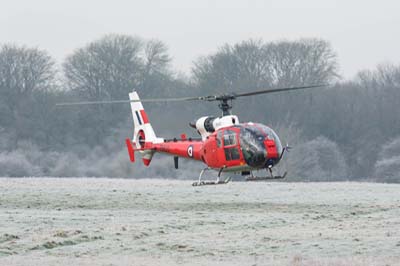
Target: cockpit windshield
(252,137)
(251,141)
(272,135)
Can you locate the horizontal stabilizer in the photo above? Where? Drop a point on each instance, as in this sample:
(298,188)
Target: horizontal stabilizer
(131,151)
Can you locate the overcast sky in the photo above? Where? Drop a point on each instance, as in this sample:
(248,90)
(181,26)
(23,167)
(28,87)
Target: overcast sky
(364,33)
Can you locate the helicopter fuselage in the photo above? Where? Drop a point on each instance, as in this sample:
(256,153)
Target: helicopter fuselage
(236,148)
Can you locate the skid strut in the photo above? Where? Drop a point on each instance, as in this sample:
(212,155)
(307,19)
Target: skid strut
(210,182)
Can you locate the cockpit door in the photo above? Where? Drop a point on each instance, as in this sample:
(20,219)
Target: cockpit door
(230,143)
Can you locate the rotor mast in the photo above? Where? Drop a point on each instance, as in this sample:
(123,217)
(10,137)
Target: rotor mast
(225,104)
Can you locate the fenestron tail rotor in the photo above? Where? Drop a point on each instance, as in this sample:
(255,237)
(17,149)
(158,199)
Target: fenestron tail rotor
(224,99)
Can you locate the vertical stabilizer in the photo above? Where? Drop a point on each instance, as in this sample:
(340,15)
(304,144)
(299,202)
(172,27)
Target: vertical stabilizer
(144,135)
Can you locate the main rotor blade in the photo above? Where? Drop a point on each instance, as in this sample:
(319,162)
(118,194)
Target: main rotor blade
(201,98)
(129,101)
(277,90)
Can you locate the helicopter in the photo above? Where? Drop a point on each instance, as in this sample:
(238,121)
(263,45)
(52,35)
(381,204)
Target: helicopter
(225,145)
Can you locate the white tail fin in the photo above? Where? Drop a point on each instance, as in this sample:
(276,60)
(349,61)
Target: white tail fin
(143,131)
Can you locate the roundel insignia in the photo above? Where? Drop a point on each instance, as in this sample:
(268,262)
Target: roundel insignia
(190,151)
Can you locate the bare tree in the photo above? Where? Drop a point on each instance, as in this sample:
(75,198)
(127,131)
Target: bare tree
(156,57)
(110,68)
(384,75)
(254,64)
(106,68)
(254,67)
(156,67)
(307,61)
(243,65)
(22,71)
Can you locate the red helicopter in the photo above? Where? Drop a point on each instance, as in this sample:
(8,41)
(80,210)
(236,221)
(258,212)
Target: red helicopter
(226,145)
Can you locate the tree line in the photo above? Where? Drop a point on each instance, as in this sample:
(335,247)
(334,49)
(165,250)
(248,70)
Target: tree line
(347,131)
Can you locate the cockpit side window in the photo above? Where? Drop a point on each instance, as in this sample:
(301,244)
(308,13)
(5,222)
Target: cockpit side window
(229,138)
(232,154)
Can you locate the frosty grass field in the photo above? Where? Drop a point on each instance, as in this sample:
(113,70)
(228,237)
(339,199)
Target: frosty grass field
(71,221)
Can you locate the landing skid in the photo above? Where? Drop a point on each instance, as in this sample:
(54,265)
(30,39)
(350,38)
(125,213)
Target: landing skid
(211,182)
(263,178)
(205,183)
